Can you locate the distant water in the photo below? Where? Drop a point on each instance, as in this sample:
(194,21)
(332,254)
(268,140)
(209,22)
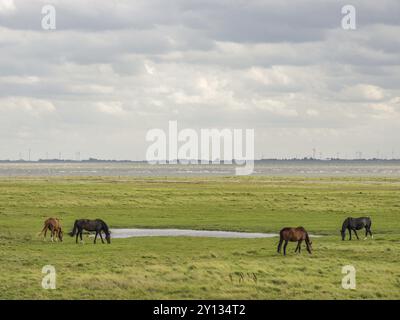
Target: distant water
(262,168)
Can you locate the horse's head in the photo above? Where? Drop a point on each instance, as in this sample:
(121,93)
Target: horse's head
(343,233)
(108,237)
(309,247)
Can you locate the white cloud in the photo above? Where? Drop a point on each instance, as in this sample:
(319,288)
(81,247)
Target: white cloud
(27,105)
(7,6)
(382,107)
(276,107)
(112,108)
(19,79)
(312,112)
(149,69)
(364,92)
(272,76)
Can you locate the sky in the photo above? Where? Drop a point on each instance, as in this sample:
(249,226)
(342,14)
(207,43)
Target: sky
(113,70)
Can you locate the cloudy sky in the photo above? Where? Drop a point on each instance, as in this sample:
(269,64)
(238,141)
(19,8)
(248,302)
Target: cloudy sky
(112,70)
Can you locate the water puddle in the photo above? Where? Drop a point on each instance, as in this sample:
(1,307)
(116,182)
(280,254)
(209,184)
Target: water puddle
(128,233)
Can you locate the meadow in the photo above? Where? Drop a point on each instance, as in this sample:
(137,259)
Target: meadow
(199,268)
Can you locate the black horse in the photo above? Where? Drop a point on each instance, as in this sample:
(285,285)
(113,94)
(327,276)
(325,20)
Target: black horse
(97,225)
(353,224)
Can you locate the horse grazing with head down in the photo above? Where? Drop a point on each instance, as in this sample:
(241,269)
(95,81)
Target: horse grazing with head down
(298,234)
(97,225)
(353,224)
(54,225)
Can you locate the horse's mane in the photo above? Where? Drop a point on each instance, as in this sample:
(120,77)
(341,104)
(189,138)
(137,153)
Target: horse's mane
(105,226)
(346,223)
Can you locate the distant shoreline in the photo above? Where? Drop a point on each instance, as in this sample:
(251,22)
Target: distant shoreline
(308,160)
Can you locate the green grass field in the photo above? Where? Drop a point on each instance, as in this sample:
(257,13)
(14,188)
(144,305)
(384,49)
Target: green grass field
(201,268)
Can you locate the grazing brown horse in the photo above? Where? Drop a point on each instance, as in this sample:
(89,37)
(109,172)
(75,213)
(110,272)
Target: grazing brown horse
(54,225)
(298,234)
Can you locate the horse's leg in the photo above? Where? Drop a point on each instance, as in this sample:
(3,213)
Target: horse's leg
(297,247)
(56,235)
(77,235)
(101,237)
(51,233)
(350,233)
(280,245)
(370,233)
(284,247)
(356,234)
(300,242)
(308,246)
(80,236)
(95,237)
(366,233)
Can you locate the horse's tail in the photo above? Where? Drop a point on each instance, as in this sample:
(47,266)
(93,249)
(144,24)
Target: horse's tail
(43,230)
(73,232)
(280,241)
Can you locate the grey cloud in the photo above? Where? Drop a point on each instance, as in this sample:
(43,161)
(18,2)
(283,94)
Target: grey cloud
(113,70)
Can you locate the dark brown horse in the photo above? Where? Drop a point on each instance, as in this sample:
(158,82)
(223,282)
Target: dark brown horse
(298,234)
(54,225)
(97,225)
(353,224)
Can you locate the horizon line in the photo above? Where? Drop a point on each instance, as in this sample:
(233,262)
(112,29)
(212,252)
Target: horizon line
(190,161)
